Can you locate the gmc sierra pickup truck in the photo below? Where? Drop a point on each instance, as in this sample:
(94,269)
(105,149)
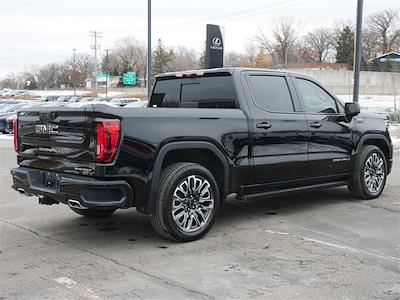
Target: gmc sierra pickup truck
(204,135)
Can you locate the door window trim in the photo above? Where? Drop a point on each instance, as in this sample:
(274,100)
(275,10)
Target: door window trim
(301,100)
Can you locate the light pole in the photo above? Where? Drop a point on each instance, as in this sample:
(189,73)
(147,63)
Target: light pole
(149,58)
(106,70)
(357,52)
(74,70)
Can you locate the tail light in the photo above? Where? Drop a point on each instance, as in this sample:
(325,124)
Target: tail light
(107,138)
(15,129)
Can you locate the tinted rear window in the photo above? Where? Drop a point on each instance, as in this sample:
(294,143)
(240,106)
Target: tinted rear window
(204,92)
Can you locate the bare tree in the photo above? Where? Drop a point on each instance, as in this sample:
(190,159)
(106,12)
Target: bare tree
(250,57)
(284,36)
(129,54)
(233,59)
(46,76)
(184,59)
(320,43)
(384,27)
(84,65)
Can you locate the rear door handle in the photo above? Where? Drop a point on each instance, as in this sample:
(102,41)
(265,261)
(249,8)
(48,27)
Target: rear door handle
(316,125)
(263,125)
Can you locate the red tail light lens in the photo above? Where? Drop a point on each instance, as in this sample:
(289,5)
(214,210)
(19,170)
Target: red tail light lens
(15,129)
(107,138)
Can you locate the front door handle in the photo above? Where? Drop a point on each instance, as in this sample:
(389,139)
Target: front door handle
(263,125)
(316,125)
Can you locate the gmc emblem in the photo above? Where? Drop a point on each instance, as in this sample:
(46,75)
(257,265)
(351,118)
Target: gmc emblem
(46,129)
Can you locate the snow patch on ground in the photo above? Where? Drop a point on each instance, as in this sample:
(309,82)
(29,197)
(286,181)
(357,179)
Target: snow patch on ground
(394,131)
(6,137)
(374,100)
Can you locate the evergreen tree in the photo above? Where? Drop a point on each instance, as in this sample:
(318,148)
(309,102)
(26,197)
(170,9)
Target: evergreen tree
(162,58)
(345,47)
(202,58)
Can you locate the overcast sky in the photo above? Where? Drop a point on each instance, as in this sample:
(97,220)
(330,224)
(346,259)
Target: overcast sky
(36,32)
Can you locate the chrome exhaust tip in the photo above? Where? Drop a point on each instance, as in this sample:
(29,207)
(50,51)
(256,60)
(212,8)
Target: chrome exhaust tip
(75,204)
(21,191)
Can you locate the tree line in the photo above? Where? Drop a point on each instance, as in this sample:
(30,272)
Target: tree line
(282,45)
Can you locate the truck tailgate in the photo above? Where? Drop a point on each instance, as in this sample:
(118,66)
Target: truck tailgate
(57,139)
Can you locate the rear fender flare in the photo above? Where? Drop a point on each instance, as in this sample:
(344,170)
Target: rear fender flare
(182,145)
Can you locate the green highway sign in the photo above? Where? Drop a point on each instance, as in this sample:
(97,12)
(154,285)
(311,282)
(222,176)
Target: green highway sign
(129,78)
(103,75)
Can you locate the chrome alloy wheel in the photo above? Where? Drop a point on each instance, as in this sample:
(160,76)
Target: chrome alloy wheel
(374,173)
(192,203)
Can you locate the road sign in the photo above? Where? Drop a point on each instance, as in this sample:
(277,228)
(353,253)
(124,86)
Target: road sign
(129,78)
(103,75)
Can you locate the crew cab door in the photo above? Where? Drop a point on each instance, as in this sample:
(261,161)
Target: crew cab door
(330,139)
(279,131)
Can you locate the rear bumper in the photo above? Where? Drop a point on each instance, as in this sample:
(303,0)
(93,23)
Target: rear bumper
(90,192)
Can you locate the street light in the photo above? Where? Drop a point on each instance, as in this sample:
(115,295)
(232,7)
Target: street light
(149,59)
(74,70)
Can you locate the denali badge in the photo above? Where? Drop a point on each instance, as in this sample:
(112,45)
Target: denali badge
(46,129)
(341,159)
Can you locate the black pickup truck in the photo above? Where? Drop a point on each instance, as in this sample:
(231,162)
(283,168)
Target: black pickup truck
(205,134)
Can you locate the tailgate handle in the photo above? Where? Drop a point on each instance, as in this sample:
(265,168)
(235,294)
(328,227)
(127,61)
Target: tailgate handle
(263,125)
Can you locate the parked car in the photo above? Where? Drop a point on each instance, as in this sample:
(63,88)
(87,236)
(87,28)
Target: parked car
(63,98)
(75,99)
(10,110)
(124,101)
(88,99)
(11,116)
(137,104)
(206,134)
(50,98)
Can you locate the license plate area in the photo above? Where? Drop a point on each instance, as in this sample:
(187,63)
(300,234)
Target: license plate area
(49,180)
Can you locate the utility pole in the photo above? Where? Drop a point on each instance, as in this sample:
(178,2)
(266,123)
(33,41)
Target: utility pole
(95,35)
(149,58)
(74,71)
(357,52)
(106,70)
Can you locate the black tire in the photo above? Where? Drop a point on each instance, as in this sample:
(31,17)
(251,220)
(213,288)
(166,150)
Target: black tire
(162,219)
(94,213)
(358,187)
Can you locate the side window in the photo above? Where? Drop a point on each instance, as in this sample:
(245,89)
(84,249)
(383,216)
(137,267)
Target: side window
(271,93)
(315,99)
(208,92)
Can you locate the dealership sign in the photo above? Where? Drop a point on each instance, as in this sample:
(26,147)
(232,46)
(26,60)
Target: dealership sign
(214,47)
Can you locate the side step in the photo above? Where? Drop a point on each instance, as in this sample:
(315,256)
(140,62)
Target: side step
(275,193)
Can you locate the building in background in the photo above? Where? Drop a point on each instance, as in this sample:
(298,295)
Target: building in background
(388,62)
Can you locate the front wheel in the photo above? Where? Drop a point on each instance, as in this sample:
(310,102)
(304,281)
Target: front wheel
(187,202)
(370,173)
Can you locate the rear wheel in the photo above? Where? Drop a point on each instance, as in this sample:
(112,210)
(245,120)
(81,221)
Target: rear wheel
(94,213)
(370,172)
(187,202)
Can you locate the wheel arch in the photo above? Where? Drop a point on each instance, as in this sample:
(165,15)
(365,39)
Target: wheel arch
(377,140)
(188,151)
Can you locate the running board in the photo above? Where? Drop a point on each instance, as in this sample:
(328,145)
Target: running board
(249,197)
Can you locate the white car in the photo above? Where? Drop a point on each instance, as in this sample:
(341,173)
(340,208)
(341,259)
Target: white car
(137,104)
(123,101)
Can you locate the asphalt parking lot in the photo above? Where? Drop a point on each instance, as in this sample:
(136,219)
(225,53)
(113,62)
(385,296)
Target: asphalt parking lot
(316,245)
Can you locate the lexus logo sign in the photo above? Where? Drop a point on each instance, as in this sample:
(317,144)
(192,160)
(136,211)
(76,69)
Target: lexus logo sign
(216,44)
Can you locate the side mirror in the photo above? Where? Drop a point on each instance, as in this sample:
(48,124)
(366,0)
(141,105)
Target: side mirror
(352,109)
